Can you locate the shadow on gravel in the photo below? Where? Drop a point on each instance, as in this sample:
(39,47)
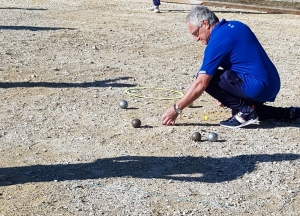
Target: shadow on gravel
(199,169)
(274,124)
(261,125)
(33,28)
(229,11)
(102,83)
(245,12)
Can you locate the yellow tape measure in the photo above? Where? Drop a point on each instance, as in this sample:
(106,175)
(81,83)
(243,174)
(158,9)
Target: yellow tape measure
(136,90)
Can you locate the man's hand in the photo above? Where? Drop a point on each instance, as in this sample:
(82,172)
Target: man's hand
(169,117)
(195,90)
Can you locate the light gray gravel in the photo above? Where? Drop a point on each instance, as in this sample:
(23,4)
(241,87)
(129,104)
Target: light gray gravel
(68,149)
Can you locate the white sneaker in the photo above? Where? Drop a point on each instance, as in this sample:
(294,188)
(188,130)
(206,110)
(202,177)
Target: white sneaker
(150,8)
(153,8)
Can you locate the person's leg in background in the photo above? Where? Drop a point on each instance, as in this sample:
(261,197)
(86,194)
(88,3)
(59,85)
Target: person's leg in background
(155,6)
(156,2)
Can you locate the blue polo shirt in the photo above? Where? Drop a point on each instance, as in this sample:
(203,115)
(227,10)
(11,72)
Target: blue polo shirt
(233,46)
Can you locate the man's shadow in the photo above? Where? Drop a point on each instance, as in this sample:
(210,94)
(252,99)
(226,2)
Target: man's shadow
(101,83)
(197,169)
(33,28)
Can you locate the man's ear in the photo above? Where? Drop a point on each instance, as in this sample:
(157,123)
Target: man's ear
(205,22)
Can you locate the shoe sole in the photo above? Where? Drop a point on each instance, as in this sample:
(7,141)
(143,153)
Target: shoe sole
(242,125)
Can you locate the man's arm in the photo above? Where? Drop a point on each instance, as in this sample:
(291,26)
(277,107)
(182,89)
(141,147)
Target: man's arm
(196,89)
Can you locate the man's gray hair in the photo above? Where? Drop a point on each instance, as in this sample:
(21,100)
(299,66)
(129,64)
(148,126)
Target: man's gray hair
(200,13)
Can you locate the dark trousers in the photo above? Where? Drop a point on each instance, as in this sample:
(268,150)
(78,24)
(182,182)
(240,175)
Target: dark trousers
(225,86)
(156,2)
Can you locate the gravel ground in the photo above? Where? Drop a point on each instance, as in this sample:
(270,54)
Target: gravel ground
(68,149)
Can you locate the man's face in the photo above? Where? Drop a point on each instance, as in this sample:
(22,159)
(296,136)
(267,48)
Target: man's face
(200,33)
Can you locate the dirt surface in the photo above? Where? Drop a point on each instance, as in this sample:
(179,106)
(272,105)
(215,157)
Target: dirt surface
(292,4)
(68,149)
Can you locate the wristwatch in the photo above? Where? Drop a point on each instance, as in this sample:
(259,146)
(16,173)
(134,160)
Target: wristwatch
(177,109)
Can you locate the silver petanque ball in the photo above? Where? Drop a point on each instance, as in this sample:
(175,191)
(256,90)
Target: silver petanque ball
(212,137)
(123,104)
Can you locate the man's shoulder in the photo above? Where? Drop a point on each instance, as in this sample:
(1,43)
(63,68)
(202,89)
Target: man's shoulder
(231,23)
(231,28)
